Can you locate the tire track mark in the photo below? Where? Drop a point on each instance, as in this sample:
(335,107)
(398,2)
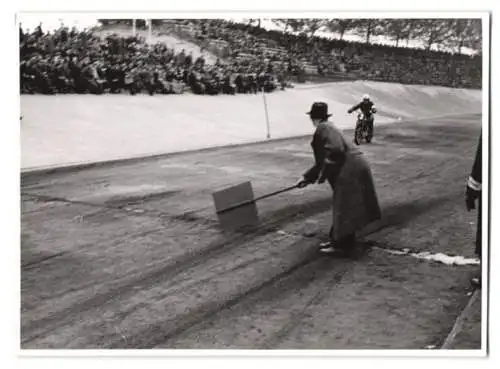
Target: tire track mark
(187,216)
(375,228)
(297,316)
(310,270)
(193,259)
(151,337)
(179,285)
(31,264)
(162,272)
(113,240)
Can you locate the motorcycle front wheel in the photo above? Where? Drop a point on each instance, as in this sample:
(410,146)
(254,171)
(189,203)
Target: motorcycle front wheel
(358,135)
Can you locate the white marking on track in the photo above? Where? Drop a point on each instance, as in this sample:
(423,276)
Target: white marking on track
(424,255)
(302,155)
(439,257)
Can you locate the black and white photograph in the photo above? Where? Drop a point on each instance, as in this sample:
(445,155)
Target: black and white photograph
(258,183)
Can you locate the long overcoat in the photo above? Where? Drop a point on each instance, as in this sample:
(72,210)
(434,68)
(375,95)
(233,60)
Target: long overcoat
(355,202)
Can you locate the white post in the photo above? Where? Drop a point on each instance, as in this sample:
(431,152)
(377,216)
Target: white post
(267,115)
(133,27)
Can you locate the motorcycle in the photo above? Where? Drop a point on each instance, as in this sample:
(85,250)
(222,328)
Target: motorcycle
(362,130)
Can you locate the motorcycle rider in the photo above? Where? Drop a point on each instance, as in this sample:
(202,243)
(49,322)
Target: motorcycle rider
(368,108)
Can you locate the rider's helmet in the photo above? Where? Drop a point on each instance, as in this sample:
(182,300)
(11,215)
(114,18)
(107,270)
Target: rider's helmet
(366,97)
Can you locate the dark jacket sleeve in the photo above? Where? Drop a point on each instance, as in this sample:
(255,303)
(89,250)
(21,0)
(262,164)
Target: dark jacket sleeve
(313,173)
(329,155)
(475,178)
(355,107)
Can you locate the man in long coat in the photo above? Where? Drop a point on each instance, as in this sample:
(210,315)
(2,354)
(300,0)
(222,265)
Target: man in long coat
(473,193)
(355,202)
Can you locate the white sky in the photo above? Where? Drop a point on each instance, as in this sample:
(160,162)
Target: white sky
(52,21)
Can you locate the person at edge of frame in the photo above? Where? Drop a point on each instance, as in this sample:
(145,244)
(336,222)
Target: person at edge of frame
(355,202)
(472,194)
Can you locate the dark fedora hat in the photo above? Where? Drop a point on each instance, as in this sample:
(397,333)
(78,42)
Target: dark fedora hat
(319,110)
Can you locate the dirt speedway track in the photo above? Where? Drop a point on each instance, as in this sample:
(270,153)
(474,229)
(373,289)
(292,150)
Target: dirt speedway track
(131,256)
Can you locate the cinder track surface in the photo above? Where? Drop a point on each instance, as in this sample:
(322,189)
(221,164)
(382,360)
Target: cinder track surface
(131,256)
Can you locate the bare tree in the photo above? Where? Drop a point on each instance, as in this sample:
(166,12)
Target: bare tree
(294,24)
(464,33)
(475,41)
(413,30)
(369,27)
(397,29)
(297,24)
(340,26)
(433,31)
(281,22)
(311,26)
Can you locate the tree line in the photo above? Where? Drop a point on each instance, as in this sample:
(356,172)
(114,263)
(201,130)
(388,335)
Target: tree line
(454,34)
(450,33)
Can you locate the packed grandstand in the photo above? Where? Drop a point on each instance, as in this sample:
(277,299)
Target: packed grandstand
(248,59)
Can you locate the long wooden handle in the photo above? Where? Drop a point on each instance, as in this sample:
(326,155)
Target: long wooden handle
(248,202)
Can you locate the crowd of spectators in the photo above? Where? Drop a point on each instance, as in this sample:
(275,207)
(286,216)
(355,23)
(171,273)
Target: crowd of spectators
(73,61)
(252,59)
(333,56)
(237,42)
